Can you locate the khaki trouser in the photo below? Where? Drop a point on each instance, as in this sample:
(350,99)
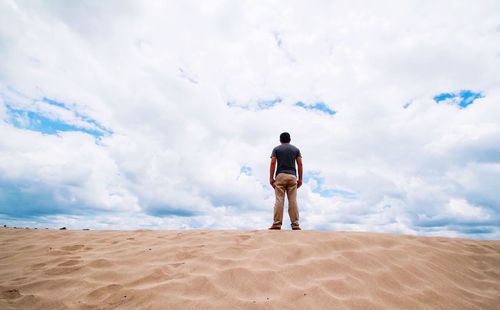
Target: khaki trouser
(285,182)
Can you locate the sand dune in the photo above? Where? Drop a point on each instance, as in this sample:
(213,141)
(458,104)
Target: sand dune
(51,269)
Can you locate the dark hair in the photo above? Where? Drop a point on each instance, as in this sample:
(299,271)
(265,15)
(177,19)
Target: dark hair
(285,137)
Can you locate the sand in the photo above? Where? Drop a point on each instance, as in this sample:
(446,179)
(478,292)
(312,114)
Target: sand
(52,269)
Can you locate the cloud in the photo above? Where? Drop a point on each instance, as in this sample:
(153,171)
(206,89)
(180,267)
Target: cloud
(163,115)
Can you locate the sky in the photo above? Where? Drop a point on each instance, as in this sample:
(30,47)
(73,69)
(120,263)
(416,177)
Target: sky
(163,114)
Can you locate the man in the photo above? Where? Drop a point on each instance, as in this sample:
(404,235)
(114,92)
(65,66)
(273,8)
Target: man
(285,181)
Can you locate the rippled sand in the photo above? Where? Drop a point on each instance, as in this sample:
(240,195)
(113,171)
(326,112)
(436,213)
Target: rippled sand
(52,269)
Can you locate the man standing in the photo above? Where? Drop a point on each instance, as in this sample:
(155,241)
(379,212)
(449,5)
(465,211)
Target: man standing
(286,180)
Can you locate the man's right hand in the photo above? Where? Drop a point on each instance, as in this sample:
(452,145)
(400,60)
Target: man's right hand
(271,181)
(299,183)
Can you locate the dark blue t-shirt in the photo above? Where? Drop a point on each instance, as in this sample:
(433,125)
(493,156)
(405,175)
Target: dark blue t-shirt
(286,155)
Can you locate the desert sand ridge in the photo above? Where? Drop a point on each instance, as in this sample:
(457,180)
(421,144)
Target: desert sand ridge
(232,269)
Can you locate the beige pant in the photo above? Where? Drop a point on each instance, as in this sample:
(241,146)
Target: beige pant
(286,183)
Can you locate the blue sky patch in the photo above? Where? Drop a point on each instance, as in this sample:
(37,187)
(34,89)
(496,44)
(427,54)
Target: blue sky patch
(462,98)
(55,103)
(25,118)
(168,211)
(476,230)
(246,170)
(324,191)
(266,104)
(31,199)
(259,105)
(318,106)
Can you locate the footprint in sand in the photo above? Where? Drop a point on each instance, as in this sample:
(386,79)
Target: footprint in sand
(10,294)
(62,270)
(72,247)
(38,266)
(71,262)
(244,237)
(105,291)
(100,263)
(176,264)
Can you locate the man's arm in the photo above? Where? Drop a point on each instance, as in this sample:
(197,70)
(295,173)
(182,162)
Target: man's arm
(299,166)
(271,171)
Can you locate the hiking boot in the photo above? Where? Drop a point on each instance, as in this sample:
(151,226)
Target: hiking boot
(274,228)
(296,228)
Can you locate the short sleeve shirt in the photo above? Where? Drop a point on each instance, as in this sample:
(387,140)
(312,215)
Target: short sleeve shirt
(286,154)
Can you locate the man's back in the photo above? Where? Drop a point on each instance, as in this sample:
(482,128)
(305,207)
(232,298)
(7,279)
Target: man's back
(286,155)
(285,180)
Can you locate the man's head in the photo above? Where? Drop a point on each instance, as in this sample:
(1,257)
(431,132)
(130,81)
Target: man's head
(285,137)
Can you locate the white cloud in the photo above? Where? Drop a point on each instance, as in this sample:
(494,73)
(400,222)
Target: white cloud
(160,75)
(461,208)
